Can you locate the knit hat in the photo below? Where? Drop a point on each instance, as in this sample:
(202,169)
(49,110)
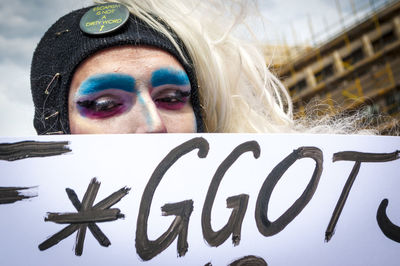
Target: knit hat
(64,46)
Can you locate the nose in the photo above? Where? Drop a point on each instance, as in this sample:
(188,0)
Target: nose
(151,120)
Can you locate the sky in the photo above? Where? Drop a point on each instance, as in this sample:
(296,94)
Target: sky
(24,22)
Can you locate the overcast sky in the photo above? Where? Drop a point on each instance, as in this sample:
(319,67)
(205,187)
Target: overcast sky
(24,22)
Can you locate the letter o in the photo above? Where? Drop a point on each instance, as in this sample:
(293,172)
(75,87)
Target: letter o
(264,225)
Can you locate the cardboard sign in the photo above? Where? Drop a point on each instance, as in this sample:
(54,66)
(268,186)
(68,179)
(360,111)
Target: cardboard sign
(197,199)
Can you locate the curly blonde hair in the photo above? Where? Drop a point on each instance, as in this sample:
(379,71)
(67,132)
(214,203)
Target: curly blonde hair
(238,93)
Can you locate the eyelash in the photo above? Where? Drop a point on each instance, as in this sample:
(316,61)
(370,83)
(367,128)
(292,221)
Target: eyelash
(171,99)
(101,107)
(106,106)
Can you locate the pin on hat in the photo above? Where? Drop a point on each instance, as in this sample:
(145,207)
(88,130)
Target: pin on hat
(85,32)
(104,18)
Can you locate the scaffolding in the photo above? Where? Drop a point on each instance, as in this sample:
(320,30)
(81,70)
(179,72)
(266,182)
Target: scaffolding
(356,67)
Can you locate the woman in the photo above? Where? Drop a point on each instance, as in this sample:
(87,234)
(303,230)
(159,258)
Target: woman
(173,66)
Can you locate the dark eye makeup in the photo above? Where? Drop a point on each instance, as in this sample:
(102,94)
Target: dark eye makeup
(107,95)
(171,99)
(102,107)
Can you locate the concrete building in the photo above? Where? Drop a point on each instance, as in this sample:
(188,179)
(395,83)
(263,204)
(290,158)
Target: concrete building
(358,68)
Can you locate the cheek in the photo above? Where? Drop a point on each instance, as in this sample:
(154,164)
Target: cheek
(179,122)
(119,125)
(74,123)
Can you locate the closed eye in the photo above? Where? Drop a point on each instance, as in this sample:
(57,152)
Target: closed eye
(106,105)
(99,105)
(171,99)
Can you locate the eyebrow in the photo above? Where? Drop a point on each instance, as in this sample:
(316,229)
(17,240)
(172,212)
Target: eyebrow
(169,75)
(102,82)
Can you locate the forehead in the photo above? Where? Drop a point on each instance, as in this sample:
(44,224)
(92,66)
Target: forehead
(139,61)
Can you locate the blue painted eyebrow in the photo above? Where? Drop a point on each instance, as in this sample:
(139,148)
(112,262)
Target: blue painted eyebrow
(169,75)
(101,82)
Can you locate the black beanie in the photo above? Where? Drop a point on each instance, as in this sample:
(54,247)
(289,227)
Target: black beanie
(64,46)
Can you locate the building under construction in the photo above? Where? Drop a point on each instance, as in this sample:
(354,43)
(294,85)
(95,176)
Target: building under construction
(360,67)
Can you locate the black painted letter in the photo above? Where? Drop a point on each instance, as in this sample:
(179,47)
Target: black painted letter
(358,158)
(148,249)
(237,203)
(268,228)
(389,229)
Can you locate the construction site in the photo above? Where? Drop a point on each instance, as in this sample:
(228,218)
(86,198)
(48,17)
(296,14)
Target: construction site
(356,68)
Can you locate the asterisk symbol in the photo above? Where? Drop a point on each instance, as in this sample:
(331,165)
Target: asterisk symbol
(86,216)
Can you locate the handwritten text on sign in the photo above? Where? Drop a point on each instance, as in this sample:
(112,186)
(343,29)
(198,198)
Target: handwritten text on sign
(282,193)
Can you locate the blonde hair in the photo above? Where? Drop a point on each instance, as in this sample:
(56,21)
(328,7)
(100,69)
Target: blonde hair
(237,91)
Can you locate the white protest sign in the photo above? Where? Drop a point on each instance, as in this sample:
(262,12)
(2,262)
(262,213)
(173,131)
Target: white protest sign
(287,195)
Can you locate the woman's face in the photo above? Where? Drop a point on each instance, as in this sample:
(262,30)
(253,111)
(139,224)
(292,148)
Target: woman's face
(130,89)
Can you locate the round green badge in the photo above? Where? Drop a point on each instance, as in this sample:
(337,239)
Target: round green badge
(104,18)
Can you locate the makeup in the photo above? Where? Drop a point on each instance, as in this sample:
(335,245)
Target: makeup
(170,88)
(105,95)
(146,111)
(168,75)
(101,82)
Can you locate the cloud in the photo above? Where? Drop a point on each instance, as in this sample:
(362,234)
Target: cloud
(289,20)
(32,18)
(15,99)
(16,118)
(18,49)
(14,82)
(23,24)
